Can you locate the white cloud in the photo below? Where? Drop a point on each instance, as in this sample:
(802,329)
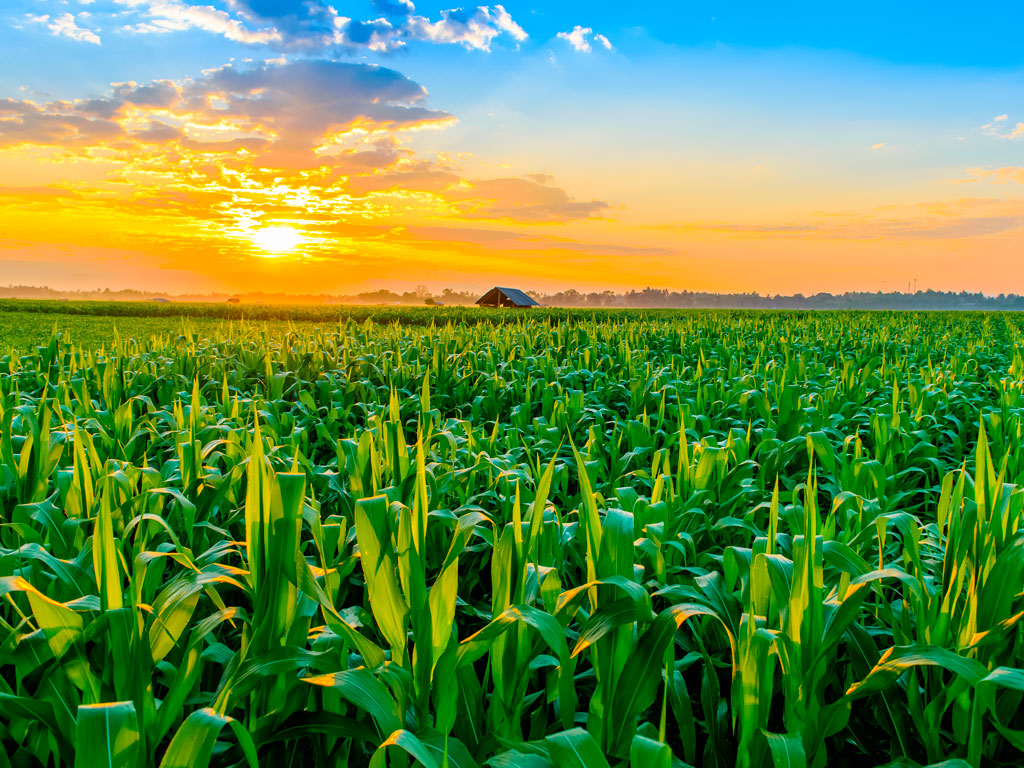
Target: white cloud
(879,145)
(999,118)
(579,39)
(315,25)
(378,35)
(172,16)
(66,26)
(473,30)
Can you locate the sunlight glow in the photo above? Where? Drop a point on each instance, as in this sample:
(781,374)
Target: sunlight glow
(276,241)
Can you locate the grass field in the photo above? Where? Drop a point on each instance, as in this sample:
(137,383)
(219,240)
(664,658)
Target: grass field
(343,537)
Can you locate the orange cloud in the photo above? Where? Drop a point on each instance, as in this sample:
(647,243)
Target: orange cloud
(199,166)
(1002,175)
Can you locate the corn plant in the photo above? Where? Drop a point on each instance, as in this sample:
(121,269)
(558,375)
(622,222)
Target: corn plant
(466,539)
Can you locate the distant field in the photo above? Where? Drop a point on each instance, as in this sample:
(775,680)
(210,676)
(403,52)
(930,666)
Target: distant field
(289,536)
(26,323)
(26,330)
(408,314)
(313,312)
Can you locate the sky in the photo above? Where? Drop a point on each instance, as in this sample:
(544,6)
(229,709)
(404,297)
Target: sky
(329,147)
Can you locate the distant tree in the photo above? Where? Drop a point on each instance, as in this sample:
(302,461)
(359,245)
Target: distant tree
(926,299)
(449,296)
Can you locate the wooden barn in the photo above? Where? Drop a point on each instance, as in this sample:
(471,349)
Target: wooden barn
(506,297)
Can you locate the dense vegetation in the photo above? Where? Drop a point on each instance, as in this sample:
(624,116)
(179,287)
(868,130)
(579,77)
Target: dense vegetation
(647,298)
(19,314)
(722,539)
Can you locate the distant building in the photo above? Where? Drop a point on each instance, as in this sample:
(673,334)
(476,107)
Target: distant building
(161,300)
(506,297)
(234,300)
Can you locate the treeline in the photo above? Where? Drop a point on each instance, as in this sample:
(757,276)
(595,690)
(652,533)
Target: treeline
(660,297)
(421,295)
(649,298)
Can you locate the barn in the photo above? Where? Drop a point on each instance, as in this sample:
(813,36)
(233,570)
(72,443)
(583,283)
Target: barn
(506,297)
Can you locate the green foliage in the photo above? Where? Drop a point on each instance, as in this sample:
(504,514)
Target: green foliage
(448,537)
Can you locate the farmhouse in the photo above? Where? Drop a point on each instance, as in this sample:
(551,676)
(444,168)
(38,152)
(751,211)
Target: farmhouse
(506,297)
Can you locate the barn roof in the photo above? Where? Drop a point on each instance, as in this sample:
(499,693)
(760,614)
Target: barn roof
(514,295)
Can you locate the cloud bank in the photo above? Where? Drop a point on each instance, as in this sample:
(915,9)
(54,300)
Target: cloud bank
(315,26)
(321,145)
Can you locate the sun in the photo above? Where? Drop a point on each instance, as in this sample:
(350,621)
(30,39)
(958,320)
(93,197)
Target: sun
(277,240)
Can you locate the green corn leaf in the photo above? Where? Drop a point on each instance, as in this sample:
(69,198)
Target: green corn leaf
(641,674)
(535,515)
(474,646)
(42,712)
(513,758)
(897,660)
(104,552)
(365,691)
(193,744)
(787,750)
(387,599)
(443,595)
(575,749)
(607,618)
(61,625)
(407,742)
(647,753)
(107,736)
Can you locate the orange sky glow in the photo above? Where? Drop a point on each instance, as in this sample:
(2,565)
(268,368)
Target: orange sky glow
(320,176)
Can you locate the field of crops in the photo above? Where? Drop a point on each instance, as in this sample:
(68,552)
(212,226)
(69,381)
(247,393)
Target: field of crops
(585,541)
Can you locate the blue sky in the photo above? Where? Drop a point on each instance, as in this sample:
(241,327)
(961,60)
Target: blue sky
(945,35)
(734,146)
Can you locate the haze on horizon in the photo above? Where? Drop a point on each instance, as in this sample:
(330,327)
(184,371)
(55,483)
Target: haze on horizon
(325,147)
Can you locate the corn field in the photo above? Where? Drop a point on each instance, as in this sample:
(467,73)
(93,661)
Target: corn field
(709,539)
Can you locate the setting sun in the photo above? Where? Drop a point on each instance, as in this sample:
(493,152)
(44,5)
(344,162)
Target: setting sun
(276,241)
